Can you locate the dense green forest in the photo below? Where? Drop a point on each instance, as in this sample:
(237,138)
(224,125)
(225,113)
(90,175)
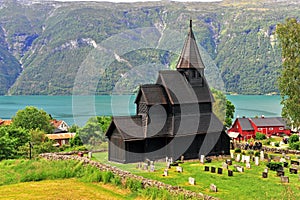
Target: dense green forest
(57,48)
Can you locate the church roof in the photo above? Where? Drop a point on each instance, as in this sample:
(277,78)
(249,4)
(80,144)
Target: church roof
(179,91)
(152,94)
(190,55)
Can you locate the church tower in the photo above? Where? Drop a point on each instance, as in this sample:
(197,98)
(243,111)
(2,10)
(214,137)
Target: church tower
(190,63)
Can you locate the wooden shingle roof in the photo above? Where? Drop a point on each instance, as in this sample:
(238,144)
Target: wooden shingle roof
(179,91)
(153,94)
(245,124)
(190,55)
(270,121)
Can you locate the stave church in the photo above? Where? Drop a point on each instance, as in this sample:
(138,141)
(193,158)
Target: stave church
(173,118)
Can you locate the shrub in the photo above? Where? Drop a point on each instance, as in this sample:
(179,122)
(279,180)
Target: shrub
(237,150)
(274,165)
(293,138)
(260,136)
(107,177)
(277,144)
(257,154)
(133,185)
(117,181)
(295,145)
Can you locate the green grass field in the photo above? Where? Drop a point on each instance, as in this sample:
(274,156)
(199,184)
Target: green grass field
(63,189)
(246,185)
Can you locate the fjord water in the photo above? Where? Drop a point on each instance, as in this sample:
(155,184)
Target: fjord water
(77,109)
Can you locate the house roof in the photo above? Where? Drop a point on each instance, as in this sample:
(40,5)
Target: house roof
(270,121)
(179,91)
(245,124)
(5,122)
(153,94)
(190,56)
(60,136)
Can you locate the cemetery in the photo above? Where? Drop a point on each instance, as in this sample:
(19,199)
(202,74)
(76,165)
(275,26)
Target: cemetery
(256,174)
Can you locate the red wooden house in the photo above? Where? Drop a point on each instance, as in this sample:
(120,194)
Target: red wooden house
(247,127)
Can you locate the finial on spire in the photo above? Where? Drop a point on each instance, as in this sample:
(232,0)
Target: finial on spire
(191,23)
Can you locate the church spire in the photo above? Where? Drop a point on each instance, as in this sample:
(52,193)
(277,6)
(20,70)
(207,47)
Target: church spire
(190,55)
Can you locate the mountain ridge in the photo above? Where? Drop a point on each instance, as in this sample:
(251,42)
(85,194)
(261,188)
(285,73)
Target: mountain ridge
(56,48)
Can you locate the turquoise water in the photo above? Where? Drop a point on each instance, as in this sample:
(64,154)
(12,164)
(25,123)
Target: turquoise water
(77,109)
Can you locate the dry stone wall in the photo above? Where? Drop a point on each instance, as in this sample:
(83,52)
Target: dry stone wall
(125,175)
(271,149)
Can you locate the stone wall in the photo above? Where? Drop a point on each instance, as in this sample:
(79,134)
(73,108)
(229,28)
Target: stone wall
(124,175)
(270,149)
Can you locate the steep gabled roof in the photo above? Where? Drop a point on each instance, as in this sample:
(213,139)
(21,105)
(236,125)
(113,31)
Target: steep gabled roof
(190,55)
(270,121)
(130,127)
(152,94)
(245,124)
(179,91)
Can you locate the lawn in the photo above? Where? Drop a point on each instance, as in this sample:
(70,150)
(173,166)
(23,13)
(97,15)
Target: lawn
(63,189)
(246,185)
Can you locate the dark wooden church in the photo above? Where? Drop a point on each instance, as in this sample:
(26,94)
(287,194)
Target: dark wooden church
(173,117)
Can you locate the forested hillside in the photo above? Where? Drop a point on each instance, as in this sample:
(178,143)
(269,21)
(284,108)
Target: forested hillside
(56,48)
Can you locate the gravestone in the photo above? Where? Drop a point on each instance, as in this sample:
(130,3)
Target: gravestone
(168,165)
(282,160)
(293,171)
(247,159)
(240,169)
(262,156)
(230,173)
(283,155)
(266,170)
(206,168)
(232,155)
(202,159)
(294,162)
(208,160)
(248,165)
(145,166)
(179,169)
(228,162)
(220,170)
(152,168)
(256,161)
(165,172)
(139,166)
(265,175)
(284,179)
(167,159)
(238,158)
(285,164)
(288,157)
(171,160)
(192,181)
(182,158)
(243,158)
(213,188)
(280,173)
(90,155)
(225,166)
(213,170)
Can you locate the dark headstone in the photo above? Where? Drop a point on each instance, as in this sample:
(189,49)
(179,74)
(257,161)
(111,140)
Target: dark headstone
(294,162)
(213,170)
(208,160)
(220,170)
(265,175)
(280,173)
(285,164)
(293,171)
(206,168)
(230,173)
(228,162)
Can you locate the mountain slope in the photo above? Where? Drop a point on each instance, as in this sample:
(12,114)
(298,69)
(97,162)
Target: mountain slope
(100,48)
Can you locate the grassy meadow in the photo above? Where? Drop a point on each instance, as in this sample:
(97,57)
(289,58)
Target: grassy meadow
(246,185)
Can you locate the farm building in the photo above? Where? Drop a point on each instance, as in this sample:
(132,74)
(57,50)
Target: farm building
(247,127)
(173,118)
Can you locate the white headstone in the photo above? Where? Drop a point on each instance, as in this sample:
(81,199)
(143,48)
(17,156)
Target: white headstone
(232,155)
(167,159)
(179,169)
(191,181)
(256,161)
(238,158)
(266,170)
(202,159)
(243,158)
(262,156)
(240,169)
(90,155)
(282,160)
(247,158)
(165,172)
(152,168)
(248,166)
(225,166)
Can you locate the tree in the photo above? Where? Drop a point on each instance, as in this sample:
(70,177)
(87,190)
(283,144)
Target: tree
(289,80)
(32,118)
(230,109)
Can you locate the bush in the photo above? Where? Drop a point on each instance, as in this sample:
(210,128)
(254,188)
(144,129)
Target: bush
(274,166)
(107,177)
(237,150)
(257,154)
(277,144)
(295,145)
(293,138)
(133,185)
(260,136)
